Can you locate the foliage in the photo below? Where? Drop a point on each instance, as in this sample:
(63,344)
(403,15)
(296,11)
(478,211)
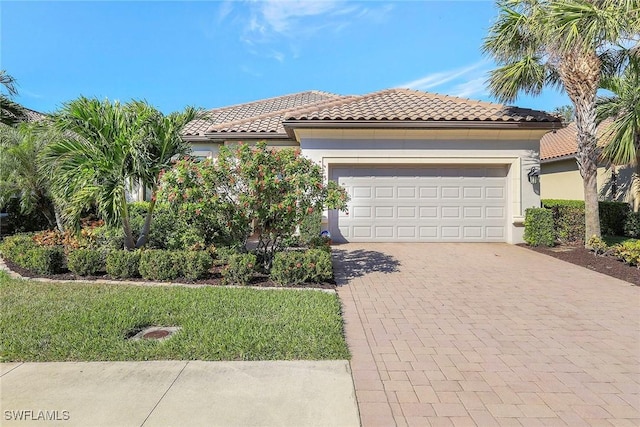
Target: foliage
(156,264)
(289,268)
(570,45)
(123,264)
(296,267)
(22,177)
(44,260)
(107,146)
(622,136)
(83,322)
(240,269)
(15,248)
(195,264)
(612,217)
(566,112)
(538,227)
(222,254)
(18,222)
(311,226)
(632,225)
(629,252)
(568,219)
(273,189)
(11,113)
(597,245)
(86,262)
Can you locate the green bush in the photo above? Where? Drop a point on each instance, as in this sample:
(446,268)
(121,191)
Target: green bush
(310,227)
(86,262)
(632,225)
(240,269)
(538,227)
(629,252)
(568,219)
(612,217)
(45,260)
(15,248)
(289,268)
(157,264)
(597,245)
(195,264)
(123,264)
(318,265)
(222,254)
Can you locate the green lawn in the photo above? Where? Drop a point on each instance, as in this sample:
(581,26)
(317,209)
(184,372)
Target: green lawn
(77,322)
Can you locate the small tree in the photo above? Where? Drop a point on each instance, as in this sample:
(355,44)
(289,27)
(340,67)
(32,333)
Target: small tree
(272,189)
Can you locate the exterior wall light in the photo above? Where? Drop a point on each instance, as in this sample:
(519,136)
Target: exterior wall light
(534,175)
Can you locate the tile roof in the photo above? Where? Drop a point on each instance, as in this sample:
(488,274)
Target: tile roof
(564,142)
(413,105)
(391,105)
(257,116)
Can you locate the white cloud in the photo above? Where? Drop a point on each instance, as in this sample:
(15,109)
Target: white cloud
(472,88)
(439,78)
(224,10)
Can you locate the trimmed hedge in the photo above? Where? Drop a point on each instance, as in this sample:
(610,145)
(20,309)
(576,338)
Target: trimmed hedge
(123,264)
(157,264)
(632,225)
(86,262)
(295,267)
(240,269)
(538,227)
(195,264)
(612,217)
(45,260)
(15,248)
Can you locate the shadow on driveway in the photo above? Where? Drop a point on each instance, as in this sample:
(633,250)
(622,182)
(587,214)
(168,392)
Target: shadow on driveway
(357,263)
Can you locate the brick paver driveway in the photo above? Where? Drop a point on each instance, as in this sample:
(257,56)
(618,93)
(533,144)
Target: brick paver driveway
(487,334)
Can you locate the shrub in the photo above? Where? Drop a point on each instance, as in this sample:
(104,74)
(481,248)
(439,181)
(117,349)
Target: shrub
(632,225)
(320,242)
(86,262)
(628,252)
(310,226)
(612,217)
(123,264)
(223,254)
(48,260)
(195,264)
(318,265)
(538,227)
(239,269)
(15,248)
(568,219)
(289,268)
(597,245)
(157,264)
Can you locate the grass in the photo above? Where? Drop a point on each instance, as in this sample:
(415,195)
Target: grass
(89,322)
(614,240)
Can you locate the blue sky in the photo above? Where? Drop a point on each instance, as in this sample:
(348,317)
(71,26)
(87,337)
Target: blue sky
(213,53)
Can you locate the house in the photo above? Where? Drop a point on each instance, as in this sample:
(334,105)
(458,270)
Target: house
(418,166)
(559,175)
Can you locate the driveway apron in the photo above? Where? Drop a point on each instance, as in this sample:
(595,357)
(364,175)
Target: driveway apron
(487,335)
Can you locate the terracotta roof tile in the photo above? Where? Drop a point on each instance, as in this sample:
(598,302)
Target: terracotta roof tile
(564,142)
(412,105)
(220,117)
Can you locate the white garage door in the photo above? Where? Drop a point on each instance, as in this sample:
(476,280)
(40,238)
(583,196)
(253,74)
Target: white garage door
(416,203)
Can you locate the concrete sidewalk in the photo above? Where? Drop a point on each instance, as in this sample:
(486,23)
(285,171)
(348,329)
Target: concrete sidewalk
(176,393)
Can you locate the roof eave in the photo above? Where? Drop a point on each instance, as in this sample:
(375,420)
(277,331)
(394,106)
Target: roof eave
(290,125)
(225,136)
(559,158)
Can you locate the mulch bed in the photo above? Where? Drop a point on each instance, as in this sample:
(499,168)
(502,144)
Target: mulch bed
(215,279)
(578,255)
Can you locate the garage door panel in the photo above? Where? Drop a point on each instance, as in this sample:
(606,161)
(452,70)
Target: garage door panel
(458,203)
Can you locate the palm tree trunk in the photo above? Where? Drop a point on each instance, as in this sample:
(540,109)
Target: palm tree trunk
(126,225)
(58,215)
(144,233)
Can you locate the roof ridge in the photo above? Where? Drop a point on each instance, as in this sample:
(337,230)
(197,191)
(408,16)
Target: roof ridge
(272,113)
(260,101)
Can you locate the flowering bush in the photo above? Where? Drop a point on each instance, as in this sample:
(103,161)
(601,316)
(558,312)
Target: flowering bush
(240,269)
(295,267)
(274,190)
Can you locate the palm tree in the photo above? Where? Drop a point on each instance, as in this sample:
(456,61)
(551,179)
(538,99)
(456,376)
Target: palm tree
(107,147)
(21,175)
(623,135)
(11,112)
(567,44)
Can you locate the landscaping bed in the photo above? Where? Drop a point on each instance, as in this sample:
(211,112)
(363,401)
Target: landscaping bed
(83,322)
(583,257)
